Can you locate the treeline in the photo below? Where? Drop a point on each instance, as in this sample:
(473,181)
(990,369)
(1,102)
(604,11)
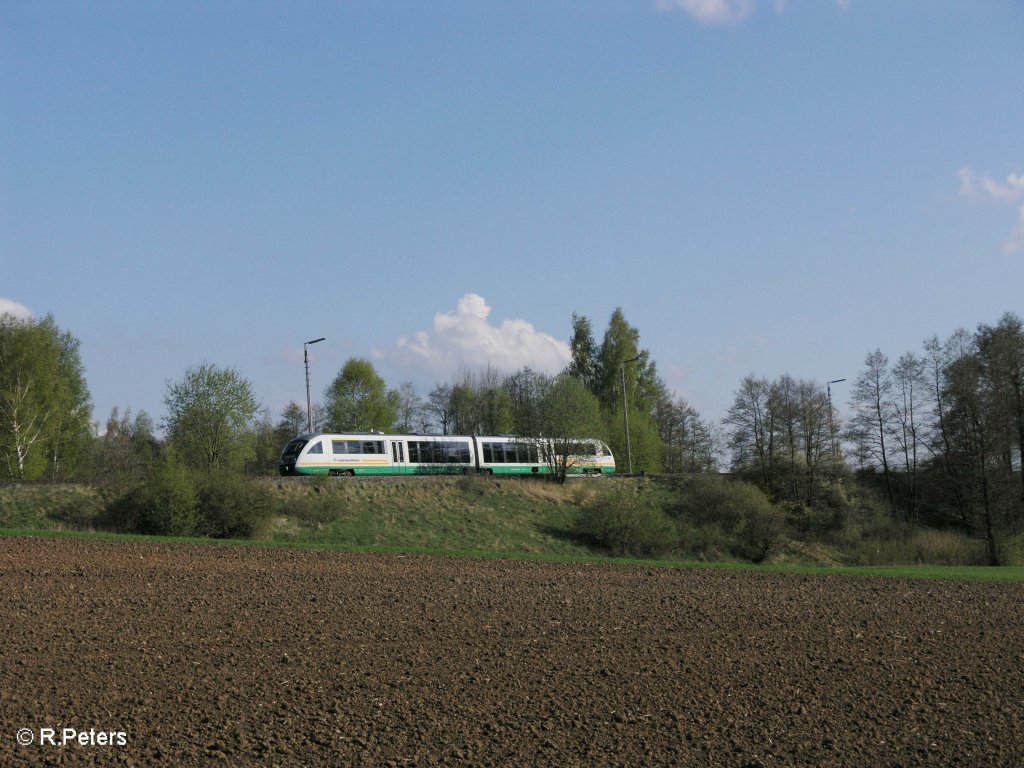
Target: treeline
(935,439)
(214,421)
(941,433)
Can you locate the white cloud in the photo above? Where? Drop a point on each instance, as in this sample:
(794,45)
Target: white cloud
(1016,239)
(1008,191)
(1001,191)
(465,339)
(968,183)
(973,186)
(711,11)
(7,306)
(724,11)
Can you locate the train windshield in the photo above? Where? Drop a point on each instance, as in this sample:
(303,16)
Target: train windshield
(293,448)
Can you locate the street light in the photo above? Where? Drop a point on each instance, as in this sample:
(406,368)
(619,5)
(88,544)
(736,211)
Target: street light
(625,410)
(831,424)
(309,405)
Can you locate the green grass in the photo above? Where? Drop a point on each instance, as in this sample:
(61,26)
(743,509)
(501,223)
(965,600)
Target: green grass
(471,514)
(465,517)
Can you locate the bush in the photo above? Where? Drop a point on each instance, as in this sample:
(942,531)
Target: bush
(745,520)
(626,523)
(761,532)
(166,504)
(234,507)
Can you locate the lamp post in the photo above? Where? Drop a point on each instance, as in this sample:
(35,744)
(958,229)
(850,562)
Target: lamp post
(625,411)
(309,404)
(831,424)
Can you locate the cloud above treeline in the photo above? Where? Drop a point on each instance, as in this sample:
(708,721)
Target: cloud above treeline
(975,186)
(466,339)
(11,307)
(720,12)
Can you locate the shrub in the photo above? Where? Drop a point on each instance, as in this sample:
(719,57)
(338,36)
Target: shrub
(746,521)
(234,507)
(166,504)
(761,532)
(626,523)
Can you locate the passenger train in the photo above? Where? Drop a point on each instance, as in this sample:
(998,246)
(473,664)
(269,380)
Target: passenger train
(375,453)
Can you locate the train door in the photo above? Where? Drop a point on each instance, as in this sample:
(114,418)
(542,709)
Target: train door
(398,455)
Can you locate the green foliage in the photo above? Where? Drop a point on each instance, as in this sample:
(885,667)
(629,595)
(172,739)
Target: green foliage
(749,525)
(781,437)
(626,522)
(645,447)
(621,374)
(584,353)
(233,507)
(166,504)
(176,501)
(267,442)
(480,404)
(358,400)
(567,411)
(209,419)
(127,449)
(45,407)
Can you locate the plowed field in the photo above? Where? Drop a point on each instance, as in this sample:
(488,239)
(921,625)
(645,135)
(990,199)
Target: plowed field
(203,655)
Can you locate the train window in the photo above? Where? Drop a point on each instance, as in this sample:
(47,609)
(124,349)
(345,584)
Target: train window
(422,452)
(373,446)
(318,448)
(429,452)
(577,449)
(294,448)
(456,453)
(510,453)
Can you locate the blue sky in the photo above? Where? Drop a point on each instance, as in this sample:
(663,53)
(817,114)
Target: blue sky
(763,186)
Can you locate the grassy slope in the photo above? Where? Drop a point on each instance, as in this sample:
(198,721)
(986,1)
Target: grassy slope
(454,516)
(472,514)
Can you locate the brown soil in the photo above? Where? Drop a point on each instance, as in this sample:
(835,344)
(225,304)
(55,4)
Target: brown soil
(206,655)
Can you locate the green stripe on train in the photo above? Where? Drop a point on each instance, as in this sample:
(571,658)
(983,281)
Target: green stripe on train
(448,470)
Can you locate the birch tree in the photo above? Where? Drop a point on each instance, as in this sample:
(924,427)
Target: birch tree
(45,407)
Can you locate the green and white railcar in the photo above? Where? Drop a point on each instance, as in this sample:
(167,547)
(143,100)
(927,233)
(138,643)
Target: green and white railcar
(379,454)
(502,455)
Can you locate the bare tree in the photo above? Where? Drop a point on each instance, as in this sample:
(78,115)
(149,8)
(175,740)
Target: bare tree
(410,407)
(870,425)
(909,384)
(752,437)
(438,410)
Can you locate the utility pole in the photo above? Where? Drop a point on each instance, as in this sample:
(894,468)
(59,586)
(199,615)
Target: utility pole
(309,404)
(831,423)
(625,411)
